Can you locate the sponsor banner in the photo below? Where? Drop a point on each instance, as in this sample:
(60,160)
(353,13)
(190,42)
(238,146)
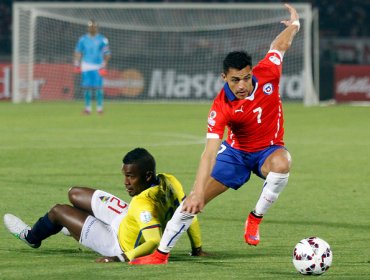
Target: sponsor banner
(52,81)
(59,82)
(352,83)
(347,50)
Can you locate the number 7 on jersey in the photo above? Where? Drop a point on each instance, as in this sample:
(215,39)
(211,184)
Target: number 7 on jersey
(258,110)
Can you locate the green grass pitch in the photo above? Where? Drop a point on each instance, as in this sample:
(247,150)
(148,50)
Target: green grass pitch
(47,147)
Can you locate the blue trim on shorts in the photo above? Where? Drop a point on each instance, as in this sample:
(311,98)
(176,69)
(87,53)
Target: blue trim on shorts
(233,167)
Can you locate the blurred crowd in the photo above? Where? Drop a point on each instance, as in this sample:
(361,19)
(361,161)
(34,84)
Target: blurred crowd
(340,18)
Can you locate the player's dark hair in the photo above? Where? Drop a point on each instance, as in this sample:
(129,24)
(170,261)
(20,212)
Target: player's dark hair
(237,60)
(142,158)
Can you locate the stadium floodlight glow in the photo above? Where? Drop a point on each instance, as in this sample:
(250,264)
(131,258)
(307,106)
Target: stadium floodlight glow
(160,51)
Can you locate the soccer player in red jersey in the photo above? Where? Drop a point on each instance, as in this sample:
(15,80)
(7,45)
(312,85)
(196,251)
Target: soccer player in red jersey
(249,106)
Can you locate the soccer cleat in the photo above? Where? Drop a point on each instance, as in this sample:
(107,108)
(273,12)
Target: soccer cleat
(19,229)
(251,234)
(86,112)
(156,258)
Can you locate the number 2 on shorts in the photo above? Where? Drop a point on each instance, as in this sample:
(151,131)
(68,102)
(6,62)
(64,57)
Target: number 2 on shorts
(118,207)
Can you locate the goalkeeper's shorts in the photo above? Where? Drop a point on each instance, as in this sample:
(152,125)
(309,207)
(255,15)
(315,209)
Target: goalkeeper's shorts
(92,79)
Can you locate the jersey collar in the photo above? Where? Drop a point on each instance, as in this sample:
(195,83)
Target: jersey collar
(255,86)
(229,94)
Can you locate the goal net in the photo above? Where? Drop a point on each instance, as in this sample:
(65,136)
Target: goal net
(159,51)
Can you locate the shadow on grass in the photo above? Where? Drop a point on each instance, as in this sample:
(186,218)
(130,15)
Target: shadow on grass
(229,261)
(232,261)
(214,258)
(58,252)
(224,257)
(296,222)
(319,223)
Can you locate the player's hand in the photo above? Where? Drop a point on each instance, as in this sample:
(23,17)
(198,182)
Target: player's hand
(103,72)
(198,252)
(293,15)
(194,203)
(77,70)
(107,259)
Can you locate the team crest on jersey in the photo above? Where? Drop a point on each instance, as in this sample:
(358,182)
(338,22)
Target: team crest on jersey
(145,216)
(268,89)
(211,118)
(275,60)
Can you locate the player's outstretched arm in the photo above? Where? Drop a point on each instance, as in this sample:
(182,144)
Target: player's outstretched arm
(284,40)
(195,201)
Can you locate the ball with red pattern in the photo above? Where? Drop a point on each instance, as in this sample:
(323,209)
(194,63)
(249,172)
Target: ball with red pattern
(312,256)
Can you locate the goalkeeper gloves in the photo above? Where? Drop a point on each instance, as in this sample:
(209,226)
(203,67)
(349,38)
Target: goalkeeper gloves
(77,70)
(103,72)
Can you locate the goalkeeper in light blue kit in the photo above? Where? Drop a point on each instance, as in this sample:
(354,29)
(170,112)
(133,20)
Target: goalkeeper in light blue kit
(91,57)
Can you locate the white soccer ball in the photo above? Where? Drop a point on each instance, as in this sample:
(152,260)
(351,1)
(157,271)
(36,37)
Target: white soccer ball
(312,255)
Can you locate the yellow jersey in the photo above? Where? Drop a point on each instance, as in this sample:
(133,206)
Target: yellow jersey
(150,211)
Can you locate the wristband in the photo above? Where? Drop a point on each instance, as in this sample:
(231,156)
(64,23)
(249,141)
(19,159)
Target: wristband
(296,23)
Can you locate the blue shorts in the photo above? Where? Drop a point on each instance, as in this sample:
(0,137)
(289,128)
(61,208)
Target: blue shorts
(91,79)
(233,167)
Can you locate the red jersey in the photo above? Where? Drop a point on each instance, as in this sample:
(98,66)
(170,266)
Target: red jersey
(255,122)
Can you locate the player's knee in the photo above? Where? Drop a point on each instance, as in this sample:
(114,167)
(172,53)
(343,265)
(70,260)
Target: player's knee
(56,211)
(73,194)
(281,163)
(281,167)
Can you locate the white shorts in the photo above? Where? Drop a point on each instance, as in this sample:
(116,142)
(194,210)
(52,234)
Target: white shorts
(100,231)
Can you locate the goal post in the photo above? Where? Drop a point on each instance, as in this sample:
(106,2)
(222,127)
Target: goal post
(160,51)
